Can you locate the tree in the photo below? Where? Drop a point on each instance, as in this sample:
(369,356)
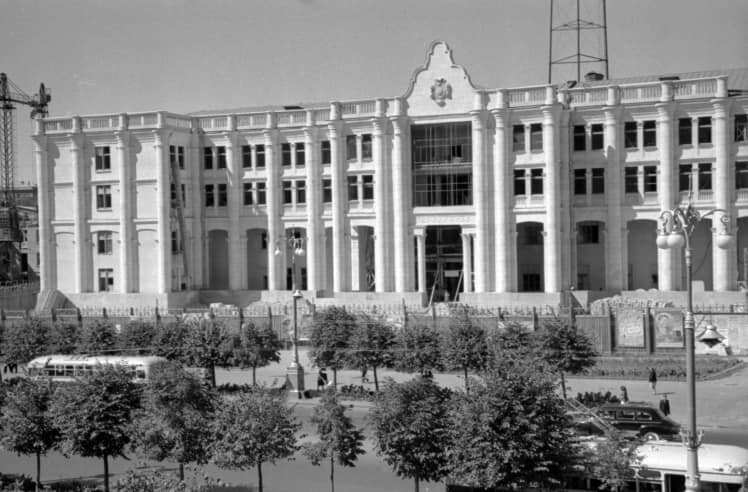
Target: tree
(339,439)
(22,342)
(253,429)
(513,341)
(511,430)
(99,336)
(63,338)
(464,345)
(612,460)
(411,428)
(371,344)
(176,415)
(95,414)
(207,344)
(26,426)
(331,329)
(565,349)
(169,340)
(417,349)
(256,347)
(136,337)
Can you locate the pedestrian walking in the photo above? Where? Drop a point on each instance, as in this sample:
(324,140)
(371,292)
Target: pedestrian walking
(665,405)
(653,379)
(321,378)
(624,395)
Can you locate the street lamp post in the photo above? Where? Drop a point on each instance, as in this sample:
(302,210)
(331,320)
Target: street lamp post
(294,372)
(676,227)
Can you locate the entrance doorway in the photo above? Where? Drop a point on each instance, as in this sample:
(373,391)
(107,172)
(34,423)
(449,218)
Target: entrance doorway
(444,262)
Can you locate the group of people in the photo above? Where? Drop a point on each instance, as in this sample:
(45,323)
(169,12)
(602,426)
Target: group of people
(664,402)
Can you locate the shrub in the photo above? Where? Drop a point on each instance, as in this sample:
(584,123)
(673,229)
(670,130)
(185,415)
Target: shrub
(355,392)
(12,481)
(595,399)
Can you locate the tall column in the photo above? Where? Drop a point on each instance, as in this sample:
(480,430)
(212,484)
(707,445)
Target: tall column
(467,262)
(80,217)
(381,224)
(402,242)
(339,201)
(614,261)
(355,260)
(667,273)
(502,194)
(551,190)
(314,229)
(125,207)
(194,167)
(276,280)
(163,202)
(46,261)
(724,261)
(481,202)
(237,274)
(420,235)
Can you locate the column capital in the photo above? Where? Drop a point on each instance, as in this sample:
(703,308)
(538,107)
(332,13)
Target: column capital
(271,135)
(665,110)
(334,128)
(721,107)
(419,232)
(231,137)
(123,137)
(334,111)
(76,141)
(666,91)
(612,114)
(500,116)
(550,113)
(379,126)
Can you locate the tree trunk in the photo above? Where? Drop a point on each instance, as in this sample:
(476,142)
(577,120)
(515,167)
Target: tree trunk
(376,380)
(259,477)
(181,472)
(38,472)
(335,378)
(467,390)
(254,375)
(212,375)
(563,384)
(332,472)
(416,480)
(106,473)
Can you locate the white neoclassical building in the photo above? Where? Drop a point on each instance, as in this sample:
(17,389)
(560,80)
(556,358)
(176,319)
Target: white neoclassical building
(449,188)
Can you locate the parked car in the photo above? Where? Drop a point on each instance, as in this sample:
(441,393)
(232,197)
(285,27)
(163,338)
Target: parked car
(639,419)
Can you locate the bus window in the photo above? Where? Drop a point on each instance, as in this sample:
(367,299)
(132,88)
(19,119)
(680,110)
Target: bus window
(626,414)
(675,483)
(49,370)
(719,487)
(59,370)
(69,370)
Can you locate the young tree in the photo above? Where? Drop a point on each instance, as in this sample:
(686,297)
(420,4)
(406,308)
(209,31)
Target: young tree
(411,429)
(331,329)
(64,337)
(417,349)
(371,345)
(169,340)
(22,342)
(95,414)
(565,350)
(612,461)
(176,415)
(136,337)
(253,429)
(256,347)
(207,344)
(339,439)
(511,431)
(98,337)
(464,346)
(26,426)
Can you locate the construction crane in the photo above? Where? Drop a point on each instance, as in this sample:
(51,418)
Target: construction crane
(10,231)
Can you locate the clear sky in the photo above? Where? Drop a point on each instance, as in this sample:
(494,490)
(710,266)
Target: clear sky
(111,56)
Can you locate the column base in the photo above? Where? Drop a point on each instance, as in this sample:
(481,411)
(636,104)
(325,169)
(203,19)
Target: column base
(295,380)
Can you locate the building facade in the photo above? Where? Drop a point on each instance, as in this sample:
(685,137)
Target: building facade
(450,188)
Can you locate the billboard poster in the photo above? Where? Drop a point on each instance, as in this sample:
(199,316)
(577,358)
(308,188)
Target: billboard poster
(668,328)
(629,328)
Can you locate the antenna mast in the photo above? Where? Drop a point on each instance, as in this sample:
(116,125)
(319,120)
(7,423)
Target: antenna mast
(578,36)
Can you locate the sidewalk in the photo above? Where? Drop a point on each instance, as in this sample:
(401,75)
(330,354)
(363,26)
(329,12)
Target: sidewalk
(719,403)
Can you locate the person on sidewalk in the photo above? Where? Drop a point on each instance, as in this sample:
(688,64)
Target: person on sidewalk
(665,405)
(624,395)
(653,379)
(321,378)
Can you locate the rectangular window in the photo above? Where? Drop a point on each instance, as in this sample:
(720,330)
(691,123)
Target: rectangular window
(300,192)
(248,199)
(536,136)
(631,178)
(103,159)
(741,128)
(180,157)
(589,233)
(366,146)
(684,177)
(106,280)
(518,138)
(650,133)
(210,196)
(300,154)
(684,131)
(261,197)
(705,129)
(650,179)
(172,154)
(536,181)
(351,152)
(519,182)
(174,242)
(368,182)
(598,181)
(104,242)
(352,188)
(630,135)
(287,192)
(221,156)
(223,198)
(325,153)
(596,136)
(580,181)
(326,191)
(260,154)
(103,197)
(741,175)
(208,157)
(246,156)
(705,176)
(286,154)
(580,136)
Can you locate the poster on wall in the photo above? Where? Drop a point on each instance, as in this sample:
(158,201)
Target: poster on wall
(629,328)
(668,328)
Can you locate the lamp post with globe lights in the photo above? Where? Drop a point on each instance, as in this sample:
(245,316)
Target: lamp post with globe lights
(676,227)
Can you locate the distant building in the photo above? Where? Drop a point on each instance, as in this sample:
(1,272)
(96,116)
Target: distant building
(449,187)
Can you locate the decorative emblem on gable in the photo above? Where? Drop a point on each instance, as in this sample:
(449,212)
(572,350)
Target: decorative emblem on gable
(441,91)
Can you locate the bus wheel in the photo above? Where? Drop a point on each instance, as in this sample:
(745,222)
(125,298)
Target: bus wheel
(650,436)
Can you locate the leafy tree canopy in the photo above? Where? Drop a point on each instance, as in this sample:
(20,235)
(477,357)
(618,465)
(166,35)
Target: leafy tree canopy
(98,337)
(136,337)
(464,344)
(64,337)
(565,348)
(339,439)
(418,349)
(255,346)
(170,339)
(26,426)
(24,341)
(331,329)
